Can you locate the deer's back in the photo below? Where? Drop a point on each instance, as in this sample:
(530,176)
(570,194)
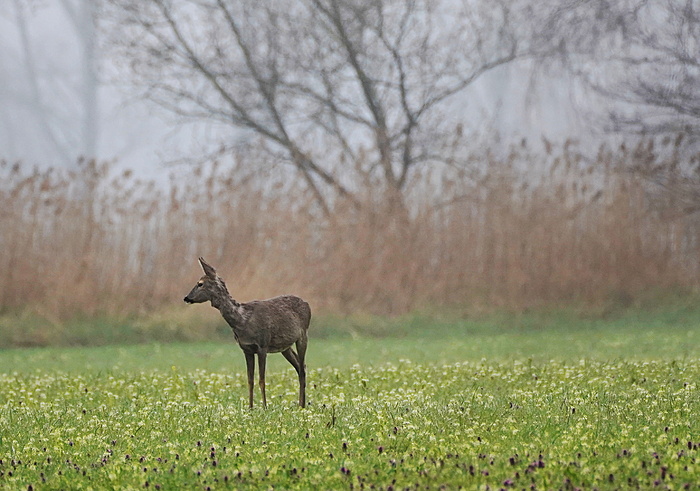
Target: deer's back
(277,322)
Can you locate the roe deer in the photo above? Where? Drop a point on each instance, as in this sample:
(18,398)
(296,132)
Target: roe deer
(260,326)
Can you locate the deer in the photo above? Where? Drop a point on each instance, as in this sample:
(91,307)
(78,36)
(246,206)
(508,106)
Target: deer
(260,327)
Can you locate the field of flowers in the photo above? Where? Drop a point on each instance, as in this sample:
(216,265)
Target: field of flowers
(95,418)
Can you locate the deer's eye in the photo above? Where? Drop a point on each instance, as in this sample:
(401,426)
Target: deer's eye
(200,284)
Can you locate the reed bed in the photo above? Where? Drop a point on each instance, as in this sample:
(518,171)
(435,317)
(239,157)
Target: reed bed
(517,231)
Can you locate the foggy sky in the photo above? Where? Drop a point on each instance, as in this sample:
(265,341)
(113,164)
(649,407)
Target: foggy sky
(513,101)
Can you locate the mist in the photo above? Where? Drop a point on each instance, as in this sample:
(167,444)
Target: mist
(49,117)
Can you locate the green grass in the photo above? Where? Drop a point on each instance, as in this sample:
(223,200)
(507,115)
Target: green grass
(187,324)
(554,402)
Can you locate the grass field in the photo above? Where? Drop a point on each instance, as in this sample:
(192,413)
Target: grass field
(515,403)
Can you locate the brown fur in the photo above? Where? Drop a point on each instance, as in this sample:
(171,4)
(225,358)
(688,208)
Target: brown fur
(260,327)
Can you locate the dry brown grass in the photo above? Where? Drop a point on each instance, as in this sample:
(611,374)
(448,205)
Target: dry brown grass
(561,230)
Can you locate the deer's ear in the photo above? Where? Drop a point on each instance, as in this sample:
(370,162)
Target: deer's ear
(208,269)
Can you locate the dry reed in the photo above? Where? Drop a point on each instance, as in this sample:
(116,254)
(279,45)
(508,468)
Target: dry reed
(87,242)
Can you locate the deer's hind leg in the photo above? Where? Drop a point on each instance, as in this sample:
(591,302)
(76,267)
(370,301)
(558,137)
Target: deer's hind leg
(300,355)
(262,358)
(291,357)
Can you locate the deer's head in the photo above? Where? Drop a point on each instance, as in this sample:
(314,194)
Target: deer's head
(208,288)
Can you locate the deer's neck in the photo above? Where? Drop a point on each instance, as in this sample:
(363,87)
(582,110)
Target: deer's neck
(230,310)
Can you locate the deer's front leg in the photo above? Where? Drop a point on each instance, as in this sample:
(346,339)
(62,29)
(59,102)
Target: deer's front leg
(250,365)
(262,358)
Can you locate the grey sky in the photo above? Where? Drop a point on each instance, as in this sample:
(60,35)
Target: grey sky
(43,106)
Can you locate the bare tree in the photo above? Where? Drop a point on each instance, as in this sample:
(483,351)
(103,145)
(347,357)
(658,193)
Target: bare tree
(83,17)
(642,60)
(345,91)
(59,96)
(643,57)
